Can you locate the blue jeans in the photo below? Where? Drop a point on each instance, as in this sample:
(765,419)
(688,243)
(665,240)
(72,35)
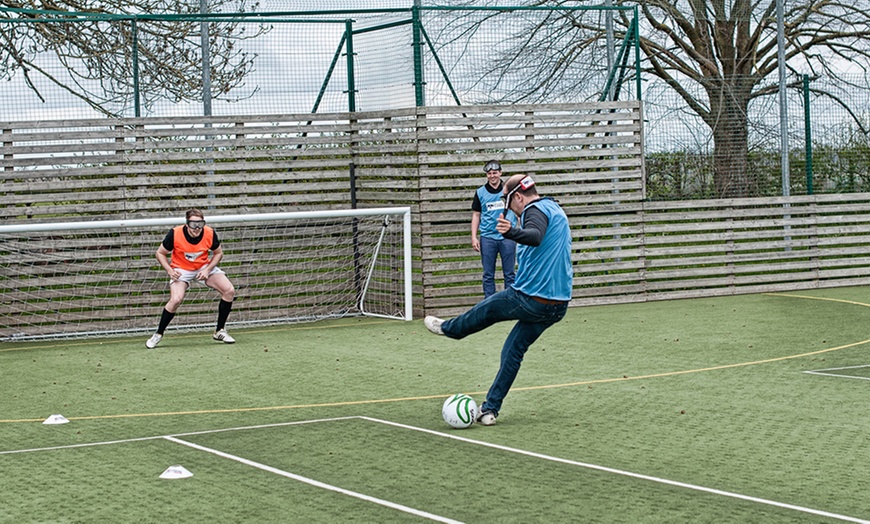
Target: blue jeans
(533,318)
(489,249)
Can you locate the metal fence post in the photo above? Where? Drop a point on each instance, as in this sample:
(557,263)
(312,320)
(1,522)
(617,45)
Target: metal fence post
(808,136)
(134,33)
(351,86)
(419,93)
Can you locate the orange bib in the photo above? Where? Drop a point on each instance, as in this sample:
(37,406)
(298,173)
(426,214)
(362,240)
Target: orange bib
(191,256)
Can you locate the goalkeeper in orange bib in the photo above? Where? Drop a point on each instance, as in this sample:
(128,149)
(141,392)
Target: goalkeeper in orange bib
(190,245)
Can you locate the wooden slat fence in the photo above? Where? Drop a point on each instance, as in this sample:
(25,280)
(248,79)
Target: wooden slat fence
(587,156)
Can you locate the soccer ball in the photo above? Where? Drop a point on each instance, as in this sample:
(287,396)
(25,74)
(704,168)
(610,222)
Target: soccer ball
(459,411)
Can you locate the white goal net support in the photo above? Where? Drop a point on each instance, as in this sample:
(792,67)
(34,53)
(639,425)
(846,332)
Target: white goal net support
(77,279)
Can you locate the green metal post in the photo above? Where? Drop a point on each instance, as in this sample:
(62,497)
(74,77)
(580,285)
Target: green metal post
(618,65)
(351,86)
(328,77)
(419,93)
(440,66)
(637,50)
(808,135)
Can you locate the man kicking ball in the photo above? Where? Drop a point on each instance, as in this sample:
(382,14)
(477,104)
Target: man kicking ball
(539,296)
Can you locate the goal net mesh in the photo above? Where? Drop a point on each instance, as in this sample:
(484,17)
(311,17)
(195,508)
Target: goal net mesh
(69,280)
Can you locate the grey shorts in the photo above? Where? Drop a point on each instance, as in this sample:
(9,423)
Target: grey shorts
(188,276)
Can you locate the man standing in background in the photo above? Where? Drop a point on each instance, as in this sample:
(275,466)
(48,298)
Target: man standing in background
(486,208)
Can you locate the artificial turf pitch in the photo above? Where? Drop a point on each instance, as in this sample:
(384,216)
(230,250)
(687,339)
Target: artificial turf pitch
(702,410)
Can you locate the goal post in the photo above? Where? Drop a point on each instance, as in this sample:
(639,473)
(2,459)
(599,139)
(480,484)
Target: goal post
(100,278)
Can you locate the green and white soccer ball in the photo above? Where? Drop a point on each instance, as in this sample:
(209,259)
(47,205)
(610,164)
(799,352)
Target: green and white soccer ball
(459,411)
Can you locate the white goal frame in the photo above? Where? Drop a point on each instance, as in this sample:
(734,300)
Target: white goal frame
(60,229)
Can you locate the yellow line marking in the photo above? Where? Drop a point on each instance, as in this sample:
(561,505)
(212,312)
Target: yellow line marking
(687,371)
(240,410)
(819,298)
(430,397)
(526,388)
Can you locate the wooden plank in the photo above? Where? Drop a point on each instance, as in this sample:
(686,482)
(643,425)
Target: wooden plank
(625,249)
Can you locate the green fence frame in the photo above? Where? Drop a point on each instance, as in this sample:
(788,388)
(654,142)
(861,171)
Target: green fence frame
(420,38)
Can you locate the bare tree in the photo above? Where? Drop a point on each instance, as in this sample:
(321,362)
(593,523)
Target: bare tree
(93,44)
(717,55)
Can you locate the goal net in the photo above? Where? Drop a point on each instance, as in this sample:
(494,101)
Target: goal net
(101,278)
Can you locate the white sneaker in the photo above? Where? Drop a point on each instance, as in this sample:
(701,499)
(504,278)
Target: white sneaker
(152,342)
(486,418)
(223,336)
(433,324)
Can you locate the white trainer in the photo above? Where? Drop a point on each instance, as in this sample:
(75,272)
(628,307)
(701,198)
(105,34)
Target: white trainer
(152,342)
(433,324)
(486,418)
(223,336)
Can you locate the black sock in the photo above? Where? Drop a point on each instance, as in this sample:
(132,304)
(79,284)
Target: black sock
(165,319)
(223,313)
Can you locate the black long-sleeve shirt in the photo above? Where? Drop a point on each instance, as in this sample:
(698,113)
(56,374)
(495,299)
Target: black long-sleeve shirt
(535,224)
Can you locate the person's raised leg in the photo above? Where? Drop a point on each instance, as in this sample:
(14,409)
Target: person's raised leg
(502,306)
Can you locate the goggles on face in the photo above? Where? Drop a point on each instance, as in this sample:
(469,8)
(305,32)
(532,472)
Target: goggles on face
(196,224)
(491,166)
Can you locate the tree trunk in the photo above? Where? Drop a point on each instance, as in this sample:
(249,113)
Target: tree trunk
(731,175)
(730,126)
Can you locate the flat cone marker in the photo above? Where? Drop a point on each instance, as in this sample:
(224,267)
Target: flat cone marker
(56,419)
(175,472)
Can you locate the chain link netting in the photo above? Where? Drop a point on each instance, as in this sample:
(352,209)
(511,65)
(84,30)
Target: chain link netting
(373,58)
(295,63)
(828,142)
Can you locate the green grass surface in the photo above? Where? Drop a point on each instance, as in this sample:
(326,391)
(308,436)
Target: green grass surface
(683,411)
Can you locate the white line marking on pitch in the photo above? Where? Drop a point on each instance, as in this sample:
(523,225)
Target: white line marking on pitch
(316,483)
(159,437)
(822,372)
(627,473)
(472,441)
